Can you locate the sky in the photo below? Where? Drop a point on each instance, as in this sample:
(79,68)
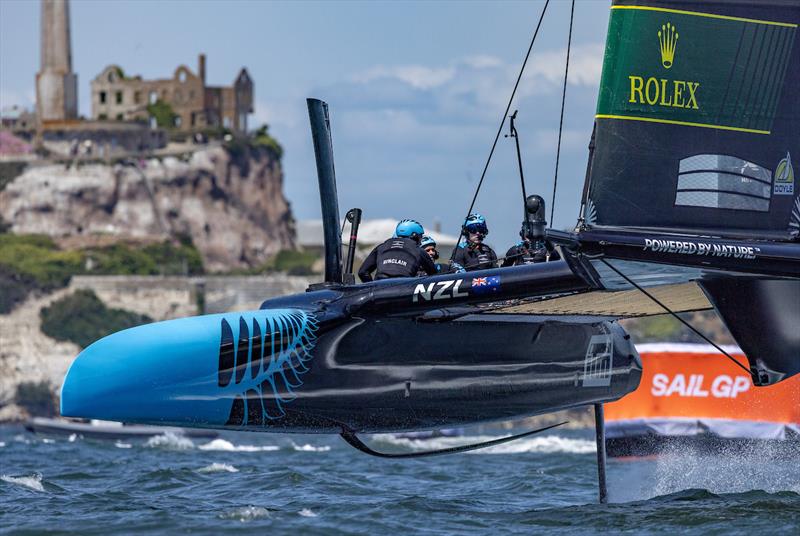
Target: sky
(416,90)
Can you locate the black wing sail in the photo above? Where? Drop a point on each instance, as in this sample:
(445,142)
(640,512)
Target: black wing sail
(692,179)
(698,118)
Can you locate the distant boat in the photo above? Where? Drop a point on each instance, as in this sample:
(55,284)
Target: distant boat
(98,429)
(691,396)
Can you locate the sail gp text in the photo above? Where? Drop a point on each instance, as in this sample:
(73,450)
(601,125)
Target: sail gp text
(700,248)
(723,386)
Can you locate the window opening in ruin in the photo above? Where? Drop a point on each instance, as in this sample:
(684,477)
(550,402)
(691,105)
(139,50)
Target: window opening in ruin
(102,117)
(137,97)
(119,117)
(226,122)
(102,97)
(178,96)
(153,97)
(119,97)
(178,121)
(182,76)
(112,77)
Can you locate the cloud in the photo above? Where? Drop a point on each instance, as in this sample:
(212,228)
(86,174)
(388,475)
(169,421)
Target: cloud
(417,76)
(414,138)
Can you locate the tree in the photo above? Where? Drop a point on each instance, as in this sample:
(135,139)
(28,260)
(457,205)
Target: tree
(163,113)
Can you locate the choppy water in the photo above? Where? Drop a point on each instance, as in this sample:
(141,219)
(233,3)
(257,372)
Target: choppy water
(319,485)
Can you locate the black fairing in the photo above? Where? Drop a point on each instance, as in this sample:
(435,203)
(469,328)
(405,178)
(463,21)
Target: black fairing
(394,374)
(774,349)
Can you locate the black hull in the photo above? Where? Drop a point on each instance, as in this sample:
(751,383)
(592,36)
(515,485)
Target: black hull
(397,374)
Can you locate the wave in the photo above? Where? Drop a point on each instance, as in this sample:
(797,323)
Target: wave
(310,448)
(121,445)
(47,441)
(218,468)
(170,440)
(246,513)
(227,446)
(544,444)
(2,444)
(306,512)
(33,482)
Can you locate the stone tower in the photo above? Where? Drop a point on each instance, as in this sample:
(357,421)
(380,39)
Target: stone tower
(56,84)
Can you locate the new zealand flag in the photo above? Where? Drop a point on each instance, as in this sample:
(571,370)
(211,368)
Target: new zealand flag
(486,285)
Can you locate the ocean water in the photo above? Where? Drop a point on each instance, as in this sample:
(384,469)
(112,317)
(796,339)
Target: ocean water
(276,484)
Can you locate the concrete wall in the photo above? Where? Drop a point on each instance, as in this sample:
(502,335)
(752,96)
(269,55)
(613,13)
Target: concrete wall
(167,297)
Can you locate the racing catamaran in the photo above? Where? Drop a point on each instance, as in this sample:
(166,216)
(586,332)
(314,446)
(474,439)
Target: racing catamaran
(689,204)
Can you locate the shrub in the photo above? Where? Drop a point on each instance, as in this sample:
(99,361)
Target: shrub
(82,318)
(10,171)
(293,262)
(262,138)
(154,259)
(29,262)
(164,114)
(37,398)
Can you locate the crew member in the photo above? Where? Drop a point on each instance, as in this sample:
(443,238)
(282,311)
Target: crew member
(528,251)
(428,244)
(400,256)
(474,254)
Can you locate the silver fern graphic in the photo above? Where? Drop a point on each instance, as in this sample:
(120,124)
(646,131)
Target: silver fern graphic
(264,365)
(590,213)
(794,220)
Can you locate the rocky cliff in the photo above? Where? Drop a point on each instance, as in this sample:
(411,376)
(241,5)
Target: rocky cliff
(230,202)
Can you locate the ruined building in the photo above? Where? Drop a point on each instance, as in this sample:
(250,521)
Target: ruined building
(56,84)
(195,105)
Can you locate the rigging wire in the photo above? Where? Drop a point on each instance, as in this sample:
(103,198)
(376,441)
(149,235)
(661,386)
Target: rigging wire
(681,320)
(561,122)
(502,122)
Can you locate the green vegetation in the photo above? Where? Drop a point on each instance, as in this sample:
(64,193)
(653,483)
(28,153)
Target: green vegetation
(37,398)
(665,328)
(164,114)
(153,259)
(30,262)
(34,262)
(292,262)
(289,261)
(10,171)
(262,138)
(658,328)
(82,318)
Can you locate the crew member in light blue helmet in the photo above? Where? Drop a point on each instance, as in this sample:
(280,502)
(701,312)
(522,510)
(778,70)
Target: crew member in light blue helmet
(428,244)
(473,254)
(399,256)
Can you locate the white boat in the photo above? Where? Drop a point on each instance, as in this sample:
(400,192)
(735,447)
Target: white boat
(108,429)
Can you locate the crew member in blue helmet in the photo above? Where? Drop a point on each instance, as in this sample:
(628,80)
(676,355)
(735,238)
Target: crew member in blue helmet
(400,256)
(529,251)
(428,244)
(473,254)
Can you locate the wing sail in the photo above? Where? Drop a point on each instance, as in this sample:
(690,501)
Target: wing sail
(697,118)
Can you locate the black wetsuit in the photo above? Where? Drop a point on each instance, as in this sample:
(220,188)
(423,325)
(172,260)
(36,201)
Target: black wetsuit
(524,252)
(475,257)
(397,257)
